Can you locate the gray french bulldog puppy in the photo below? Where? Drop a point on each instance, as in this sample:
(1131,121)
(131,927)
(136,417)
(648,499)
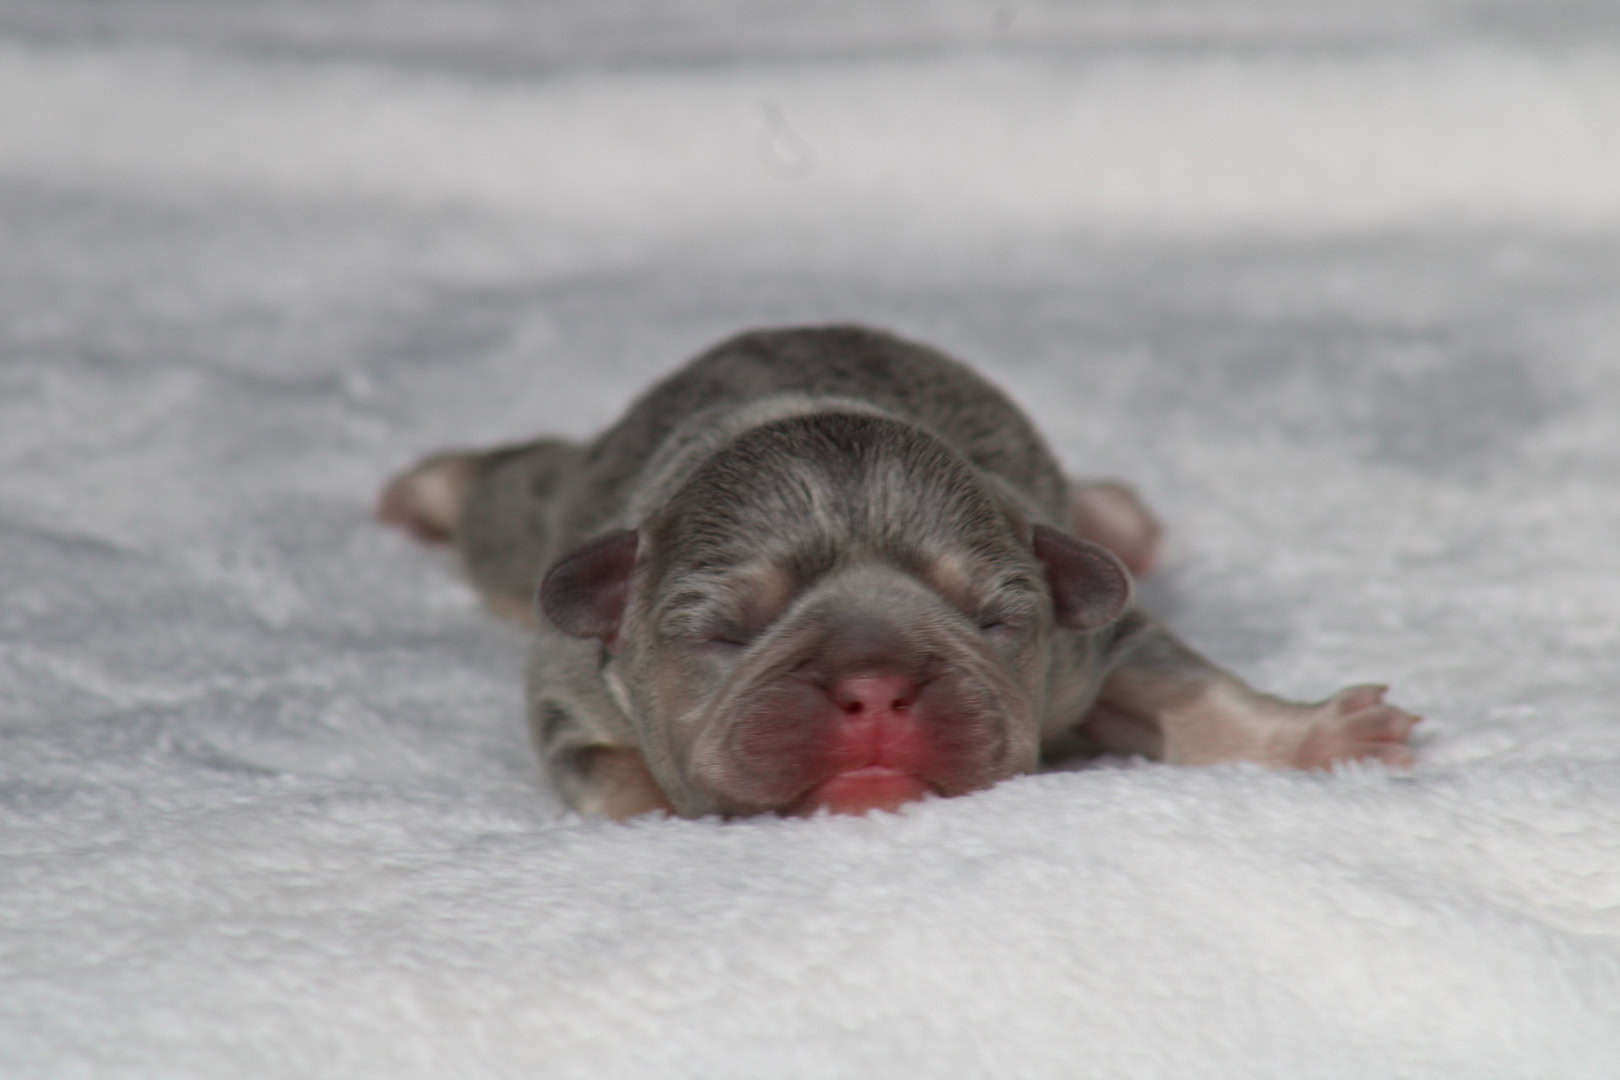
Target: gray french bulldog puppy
(829,568)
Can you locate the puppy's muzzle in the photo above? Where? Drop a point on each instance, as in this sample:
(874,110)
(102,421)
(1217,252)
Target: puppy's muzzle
(867,718)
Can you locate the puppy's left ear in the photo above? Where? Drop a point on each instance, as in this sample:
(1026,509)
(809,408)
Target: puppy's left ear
(1090,586)
(586,591)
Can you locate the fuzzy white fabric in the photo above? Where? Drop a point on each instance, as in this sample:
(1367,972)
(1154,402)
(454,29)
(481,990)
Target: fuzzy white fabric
(1333,284)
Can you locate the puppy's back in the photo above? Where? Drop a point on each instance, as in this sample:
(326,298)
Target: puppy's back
(899,377)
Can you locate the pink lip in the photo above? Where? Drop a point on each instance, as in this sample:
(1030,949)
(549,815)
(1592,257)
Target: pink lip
(871,787)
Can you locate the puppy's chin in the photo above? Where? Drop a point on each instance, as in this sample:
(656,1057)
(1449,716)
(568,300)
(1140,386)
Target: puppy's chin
(874,787)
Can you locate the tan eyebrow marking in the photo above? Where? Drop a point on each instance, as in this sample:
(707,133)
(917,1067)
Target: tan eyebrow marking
(949,574)
(766,590)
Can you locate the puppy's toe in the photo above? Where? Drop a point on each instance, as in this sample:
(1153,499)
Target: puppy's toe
(1357,724)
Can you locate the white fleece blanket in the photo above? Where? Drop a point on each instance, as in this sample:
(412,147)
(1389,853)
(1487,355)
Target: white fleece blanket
(1334,284)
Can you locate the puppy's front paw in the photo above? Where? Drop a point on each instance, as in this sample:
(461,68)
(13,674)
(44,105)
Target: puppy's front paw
(1356,724)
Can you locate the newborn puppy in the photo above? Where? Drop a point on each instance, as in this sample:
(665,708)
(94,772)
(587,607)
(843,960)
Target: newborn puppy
(828,568)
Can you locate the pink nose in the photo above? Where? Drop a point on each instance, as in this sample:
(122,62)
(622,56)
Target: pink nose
(879,724)
(874,695)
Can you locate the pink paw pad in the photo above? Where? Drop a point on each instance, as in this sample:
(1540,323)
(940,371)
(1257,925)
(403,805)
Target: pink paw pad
(1356,724)
(426,500)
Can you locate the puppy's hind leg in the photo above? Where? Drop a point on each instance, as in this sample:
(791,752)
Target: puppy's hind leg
(427,499)
(494,506)
(1163,700)
(1109,513)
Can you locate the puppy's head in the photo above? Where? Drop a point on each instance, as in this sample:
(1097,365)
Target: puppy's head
(834,611)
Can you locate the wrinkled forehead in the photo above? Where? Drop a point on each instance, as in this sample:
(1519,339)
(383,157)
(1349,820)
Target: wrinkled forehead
(793,500)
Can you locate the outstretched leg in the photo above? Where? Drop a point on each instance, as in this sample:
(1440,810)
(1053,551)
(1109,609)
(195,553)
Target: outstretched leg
(494,506)
(1161,699)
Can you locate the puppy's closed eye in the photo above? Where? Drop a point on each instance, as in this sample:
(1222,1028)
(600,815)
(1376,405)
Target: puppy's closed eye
(729,636)
(1009,610)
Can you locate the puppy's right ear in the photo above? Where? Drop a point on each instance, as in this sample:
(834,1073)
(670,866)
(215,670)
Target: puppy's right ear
(586,591)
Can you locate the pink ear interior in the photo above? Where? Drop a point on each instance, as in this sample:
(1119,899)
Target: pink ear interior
(1090,587)
(585,593)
